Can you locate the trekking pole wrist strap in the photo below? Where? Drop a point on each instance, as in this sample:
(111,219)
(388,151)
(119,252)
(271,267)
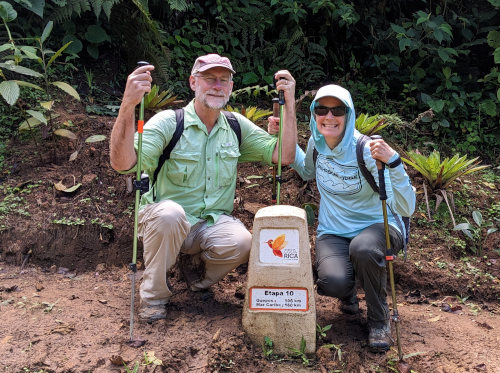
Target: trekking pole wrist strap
(395,163)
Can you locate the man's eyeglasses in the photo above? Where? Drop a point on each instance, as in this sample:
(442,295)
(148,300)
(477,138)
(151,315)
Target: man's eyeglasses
(337,111)
(212,79)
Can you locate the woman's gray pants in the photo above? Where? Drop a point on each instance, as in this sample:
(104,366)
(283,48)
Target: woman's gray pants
(340,261)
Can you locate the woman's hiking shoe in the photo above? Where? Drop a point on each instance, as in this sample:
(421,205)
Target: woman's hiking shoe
(152,312)
(379,339)
(350,307)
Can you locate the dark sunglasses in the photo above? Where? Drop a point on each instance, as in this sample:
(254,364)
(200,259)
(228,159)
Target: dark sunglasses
(337,111)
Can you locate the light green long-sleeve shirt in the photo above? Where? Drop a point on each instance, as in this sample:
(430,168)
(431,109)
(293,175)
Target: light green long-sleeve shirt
(201,172)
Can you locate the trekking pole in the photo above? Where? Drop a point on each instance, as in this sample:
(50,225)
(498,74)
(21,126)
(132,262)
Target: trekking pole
(281,102)
(276,113)
(140,188)
(389,257)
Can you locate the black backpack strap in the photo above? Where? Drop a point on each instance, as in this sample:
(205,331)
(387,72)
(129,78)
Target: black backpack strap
(315,156)
(360,145)
(234,124)
(179,128)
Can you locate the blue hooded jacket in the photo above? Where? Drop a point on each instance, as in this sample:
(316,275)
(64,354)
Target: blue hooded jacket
(348,203)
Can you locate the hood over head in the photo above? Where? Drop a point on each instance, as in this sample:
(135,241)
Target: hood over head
(343,95)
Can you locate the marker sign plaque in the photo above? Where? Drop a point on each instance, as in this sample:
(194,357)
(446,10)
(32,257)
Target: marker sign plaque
(278,299)
(279,246)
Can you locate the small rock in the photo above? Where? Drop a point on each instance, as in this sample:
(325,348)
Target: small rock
(100,267)
(62,270)
(103,301)
(53,268)
(39,287)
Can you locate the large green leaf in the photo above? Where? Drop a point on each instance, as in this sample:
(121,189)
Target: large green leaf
(7,12)
(58,53)
(6,46)
(65,133)
(9,91)
(95,138)
(75,47)
(96,34)
(29,124)
(36,6)
(67,88)
(38,115)
(20,69)
(22,83)
(46,31)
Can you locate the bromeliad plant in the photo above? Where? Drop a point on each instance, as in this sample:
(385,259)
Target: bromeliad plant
(370,125)
(156,100)
(439,175)
(252,113)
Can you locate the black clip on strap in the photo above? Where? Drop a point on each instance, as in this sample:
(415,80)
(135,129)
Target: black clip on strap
(141,185)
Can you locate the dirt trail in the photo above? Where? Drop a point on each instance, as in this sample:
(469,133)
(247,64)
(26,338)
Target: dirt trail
(79,322)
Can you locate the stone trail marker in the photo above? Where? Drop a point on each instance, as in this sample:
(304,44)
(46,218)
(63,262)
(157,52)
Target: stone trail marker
(279,299)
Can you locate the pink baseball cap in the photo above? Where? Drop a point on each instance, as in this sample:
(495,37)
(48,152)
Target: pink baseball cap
(203,63)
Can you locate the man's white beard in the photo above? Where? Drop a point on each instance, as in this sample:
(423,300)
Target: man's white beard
(215,103)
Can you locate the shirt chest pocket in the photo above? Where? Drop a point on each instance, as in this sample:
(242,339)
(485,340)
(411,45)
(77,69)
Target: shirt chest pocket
(181,168)
(227,162)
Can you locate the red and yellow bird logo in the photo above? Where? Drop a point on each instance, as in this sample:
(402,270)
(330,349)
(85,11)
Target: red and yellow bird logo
(277,245)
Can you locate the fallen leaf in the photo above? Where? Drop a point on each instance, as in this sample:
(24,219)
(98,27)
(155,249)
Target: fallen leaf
(484,325)
(9,289)
(6,339)
(136,343)
(434,319)
(117,360)
(150,358)
(216,335)
(62,329)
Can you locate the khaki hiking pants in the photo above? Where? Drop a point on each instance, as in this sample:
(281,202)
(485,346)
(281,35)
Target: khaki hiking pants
(165,233)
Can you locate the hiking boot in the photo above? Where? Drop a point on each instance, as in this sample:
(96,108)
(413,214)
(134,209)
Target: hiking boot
(152,312)
(350,307)
(379,338)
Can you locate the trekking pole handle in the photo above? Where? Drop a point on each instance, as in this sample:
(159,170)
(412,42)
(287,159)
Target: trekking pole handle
(140,122)
(381,178)
(281,94)
(276,106)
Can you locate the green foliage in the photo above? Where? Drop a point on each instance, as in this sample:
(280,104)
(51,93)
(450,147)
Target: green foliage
(135,369)
(337,350)
(252,113)
(440,174)
(43,58)
(69,221)
(156,100)
(301,352)
(321,330)
(253,91)
(267,347)
(370,125)
(475,232)
(310,209)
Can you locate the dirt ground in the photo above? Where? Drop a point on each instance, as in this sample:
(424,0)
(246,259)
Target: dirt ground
(65,286)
